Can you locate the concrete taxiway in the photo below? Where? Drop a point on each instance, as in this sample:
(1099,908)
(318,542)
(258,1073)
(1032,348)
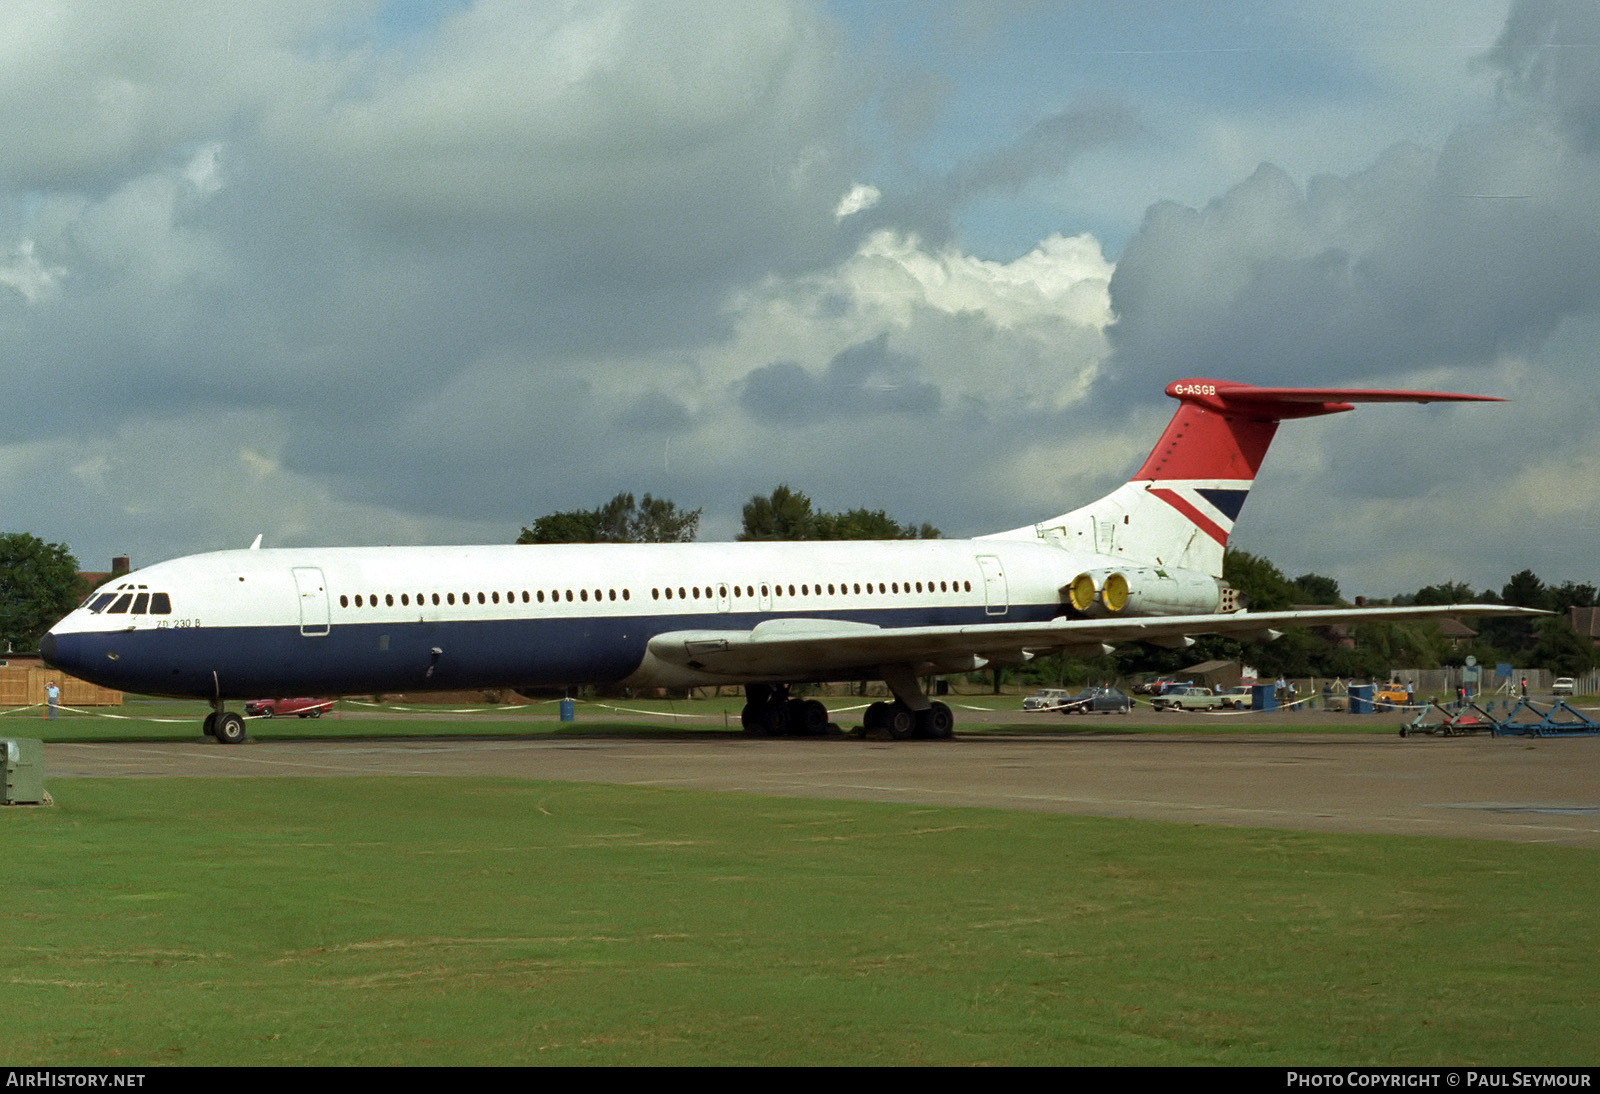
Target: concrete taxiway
(1520,789)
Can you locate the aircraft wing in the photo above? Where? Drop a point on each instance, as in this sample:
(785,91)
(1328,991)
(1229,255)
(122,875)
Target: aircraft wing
(811,648)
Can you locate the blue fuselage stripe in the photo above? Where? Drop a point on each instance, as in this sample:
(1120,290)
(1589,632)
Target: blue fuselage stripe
(360,658)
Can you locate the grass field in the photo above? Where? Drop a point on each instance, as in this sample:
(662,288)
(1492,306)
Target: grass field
(480,921)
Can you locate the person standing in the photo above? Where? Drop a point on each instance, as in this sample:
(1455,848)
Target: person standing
(52,698)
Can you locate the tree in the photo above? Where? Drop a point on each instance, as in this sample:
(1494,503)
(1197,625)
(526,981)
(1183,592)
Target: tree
(788,515)
(784,515)
(658,520)
(1449,592)
(1526,590)
(620,520)
(1570,594)
(39,584)
(573,526)
(1262,584)
(869,524)
(1561,649)
(1317,589)
(1516,636)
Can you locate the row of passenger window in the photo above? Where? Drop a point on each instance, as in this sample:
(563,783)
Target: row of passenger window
(683,592)
(449,599)
(894,588)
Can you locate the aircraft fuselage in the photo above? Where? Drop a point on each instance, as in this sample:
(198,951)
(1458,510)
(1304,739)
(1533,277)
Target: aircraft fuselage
(355,620)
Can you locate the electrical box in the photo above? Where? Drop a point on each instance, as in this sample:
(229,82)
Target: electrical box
(1264,697)
(24,762)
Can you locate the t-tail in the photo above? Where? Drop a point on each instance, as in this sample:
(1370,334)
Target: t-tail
(1165,529)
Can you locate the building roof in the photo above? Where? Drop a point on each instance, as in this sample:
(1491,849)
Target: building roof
(1211,666)
(1586,621)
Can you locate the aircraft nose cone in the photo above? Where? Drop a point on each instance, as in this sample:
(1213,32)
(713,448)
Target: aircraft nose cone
(47,650)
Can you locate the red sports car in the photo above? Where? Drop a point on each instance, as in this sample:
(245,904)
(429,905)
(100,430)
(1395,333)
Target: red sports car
(282,708)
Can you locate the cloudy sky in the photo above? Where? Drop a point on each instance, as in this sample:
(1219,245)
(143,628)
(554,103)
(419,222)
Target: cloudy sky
(350,272)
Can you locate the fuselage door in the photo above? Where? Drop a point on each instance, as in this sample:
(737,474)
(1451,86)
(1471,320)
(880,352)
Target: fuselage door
(995,597)
(313,595)
(724,601)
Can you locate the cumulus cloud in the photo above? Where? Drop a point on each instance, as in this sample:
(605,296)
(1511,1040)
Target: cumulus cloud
(1546,52)
(864,380)
(95,91)
(869,371)
(1409,263)
(1449,256)
(302,210)
(903,377)
(1045,149)
(23,273)
(425,273)
(861,196)
(161,486)
(609,136)
(1028,332)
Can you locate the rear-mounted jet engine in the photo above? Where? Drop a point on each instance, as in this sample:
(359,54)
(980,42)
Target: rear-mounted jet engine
(1145,591)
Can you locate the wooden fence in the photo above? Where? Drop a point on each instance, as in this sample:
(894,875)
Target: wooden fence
(22,684)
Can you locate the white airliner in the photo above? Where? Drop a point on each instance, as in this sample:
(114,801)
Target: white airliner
(1142,563)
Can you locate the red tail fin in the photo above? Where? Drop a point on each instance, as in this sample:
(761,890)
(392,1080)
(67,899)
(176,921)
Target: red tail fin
(1222,430)
(1180,506)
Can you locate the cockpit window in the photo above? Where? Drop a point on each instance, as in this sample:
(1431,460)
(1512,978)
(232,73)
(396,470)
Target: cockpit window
(141,603)
(121,605)
(160,604)
(99,603)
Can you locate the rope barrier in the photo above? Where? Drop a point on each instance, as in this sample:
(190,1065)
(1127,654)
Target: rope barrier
(84,713)
(442,710)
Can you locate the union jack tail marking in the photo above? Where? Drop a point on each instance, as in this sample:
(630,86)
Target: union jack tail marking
(1180,506)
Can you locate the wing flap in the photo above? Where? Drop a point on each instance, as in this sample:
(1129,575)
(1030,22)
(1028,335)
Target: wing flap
(805,648)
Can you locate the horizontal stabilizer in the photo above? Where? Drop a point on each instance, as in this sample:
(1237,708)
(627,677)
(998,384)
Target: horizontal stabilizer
(1222,429)
(1278,403)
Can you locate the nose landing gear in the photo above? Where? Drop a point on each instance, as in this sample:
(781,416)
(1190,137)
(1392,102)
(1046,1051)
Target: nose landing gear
(223,724)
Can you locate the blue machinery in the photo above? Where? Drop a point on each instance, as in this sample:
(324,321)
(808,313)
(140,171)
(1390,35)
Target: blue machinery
(1526,719)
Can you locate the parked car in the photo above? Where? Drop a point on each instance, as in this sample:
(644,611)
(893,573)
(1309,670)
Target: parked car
(1099,701)
(1047,699)
(1392,692)
(1563,685)
(282,708)
(1160,685)
(1192,699)
(1239,696)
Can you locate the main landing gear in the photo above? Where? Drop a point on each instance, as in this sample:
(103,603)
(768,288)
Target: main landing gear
(937,723)
(770,712)
(226,726)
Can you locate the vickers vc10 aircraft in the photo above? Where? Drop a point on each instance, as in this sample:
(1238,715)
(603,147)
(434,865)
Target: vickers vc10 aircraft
(1143,563)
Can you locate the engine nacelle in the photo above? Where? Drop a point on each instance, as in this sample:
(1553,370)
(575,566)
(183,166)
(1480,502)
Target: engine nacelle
(1143,590)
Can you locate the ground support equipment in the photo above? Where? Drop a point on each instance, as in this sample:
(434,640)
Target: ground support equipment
(1560,720)
(1437,721)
